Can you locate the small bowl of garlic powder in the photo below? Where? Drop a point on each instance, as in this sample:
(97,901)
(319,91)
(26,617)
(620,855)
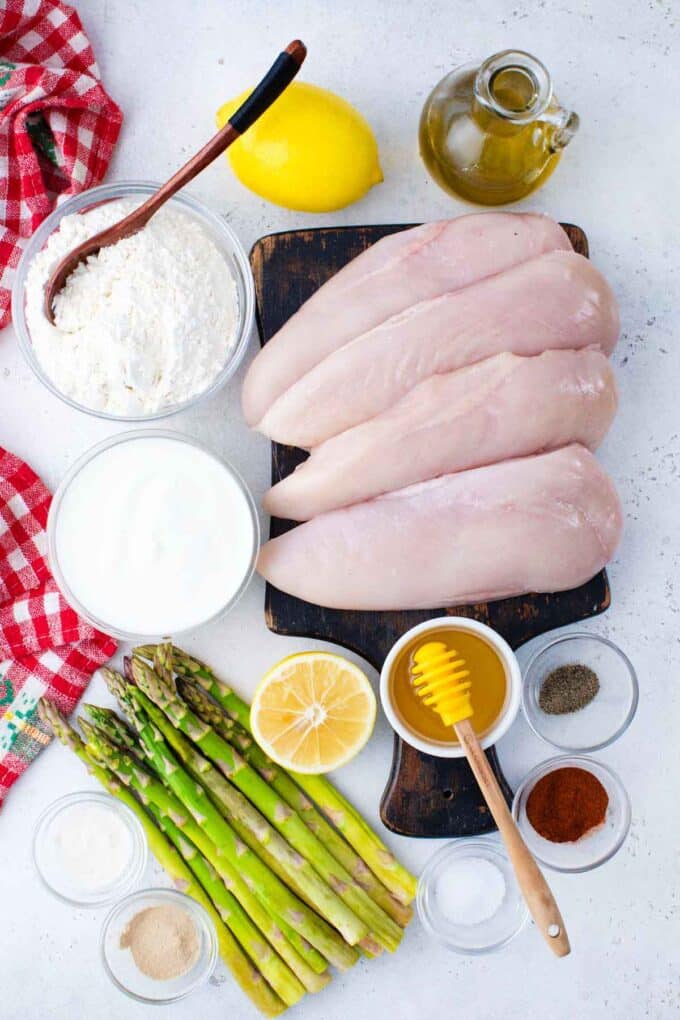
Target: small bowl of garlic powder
(148,326)
(158,945)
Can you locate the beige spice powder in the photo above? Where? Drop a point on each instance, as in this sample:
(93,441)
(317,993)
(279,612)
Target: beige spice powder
(163,940)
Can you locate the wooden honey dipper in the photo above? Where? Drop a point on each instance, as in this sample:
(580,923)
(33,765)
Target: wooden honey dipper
(441,679)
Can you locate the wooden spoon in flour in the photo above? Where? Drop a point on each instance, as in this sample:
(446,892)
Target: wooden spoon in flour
(279,76)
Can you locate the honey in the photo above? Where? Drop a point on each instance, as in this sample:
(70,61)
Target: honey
(489,685)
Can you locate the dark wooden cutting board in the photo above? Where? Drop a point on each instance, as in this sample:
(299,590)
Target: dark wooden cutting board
(424,796)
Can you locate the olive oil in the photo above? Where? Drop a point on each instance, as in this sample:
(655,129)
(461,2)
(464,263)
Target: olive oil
(489,685)
(493,134)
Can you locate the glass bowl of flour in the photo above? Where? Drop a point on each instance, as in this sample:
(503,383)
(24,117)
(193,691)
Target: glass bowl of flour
(150,325)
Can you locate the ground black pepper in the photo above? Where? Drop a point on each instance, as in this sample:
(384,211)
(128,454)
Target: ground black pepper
(568,689)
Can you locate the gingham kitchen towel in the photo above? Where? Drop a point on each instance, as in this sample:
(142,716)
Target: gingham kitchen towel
(45,647)
(58,126)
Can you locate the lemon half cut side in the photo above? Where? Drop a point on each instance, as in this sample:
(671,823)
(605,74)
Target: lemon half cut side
(313,712)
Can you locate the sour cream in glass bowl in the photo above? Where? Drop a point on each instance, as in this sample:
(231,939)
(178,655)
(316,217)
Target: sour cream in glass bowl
(151,534)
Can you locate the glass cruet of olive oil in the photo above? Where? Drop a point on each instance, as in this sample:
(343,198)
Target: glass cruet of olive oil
(494,133)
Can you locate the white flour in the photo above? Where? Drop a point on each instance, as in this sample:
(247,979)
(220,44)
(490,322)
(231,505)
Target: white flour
(143,325)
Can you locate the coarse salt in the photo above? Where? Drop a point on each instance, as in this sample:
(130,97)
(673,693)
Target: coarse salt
(470,891)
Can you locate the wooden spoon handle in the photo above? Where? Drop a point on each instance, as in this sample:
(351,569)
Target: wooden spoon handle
(278,77)
(536,891)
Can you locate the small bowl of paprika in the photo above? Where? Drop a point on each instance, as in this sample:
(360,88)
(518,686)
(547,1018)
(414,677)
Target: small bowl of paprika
(573,812)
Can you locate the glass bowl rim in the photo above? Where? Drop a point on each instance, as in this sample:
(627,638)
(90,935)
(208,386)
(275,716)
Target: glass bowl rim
(485,847)
(109,192)
(528,713)
(82,462)
(590,765)
(138,860)
(194,908)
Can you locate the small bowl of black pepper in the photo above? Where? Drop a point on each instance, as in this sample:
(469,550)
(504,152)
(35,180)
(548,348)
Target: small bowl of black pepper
(580,692)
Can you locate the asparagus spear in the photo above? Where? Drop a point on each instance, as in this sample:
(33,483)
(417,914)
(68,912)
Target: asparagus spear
(224,905)
(382,862)
(118,730)
(316,891)
(246,821)
(152,792)
(382,929)
(193,669)
(279,779)
(309,964)
(271,966)
(312,958)
(337,809)
(267,885)
(247,976)
(248,824)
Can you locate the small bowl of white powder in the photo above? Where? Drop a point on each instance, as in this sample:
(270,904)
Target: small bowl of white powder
(468,897)
(89,849)
(148,326)
(159,945)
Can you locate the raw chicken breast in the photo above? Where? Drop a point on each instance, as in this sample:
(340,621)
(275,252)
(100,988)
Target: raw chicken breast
(558,300)
(539,524)
(506,406)
(398,271)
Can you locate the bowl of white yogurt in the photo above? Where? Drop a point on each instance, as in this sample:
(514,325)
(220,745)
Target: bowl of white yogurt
(148,326)
(151,534)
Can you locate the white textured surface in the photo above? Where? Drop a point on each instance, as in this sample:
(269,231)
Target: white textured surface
(170,64)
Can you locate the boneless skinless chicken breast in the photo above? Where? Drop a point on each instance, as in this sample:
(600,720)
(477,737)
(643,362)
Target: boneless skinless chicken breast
(555,301)
(401,270)
(537,524)
(504,407)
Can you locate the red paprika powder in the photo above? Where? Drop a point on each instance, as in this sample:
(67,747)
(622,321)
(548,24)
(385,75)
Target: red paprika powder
(566,804)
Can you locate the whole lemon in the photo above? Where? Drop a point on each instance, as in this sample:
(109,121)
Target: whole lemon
(311,151)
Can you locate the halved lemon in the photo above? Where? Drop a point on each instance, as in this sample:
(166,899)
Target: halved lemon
(313,711)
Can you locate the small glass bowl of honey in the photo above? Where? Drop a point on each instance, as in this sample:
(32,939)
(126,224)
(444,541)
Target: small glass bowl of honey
(495,693)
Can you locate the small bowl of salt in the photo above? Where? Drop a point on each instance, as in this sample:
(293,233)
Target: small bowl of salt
(89,849)
(468,897)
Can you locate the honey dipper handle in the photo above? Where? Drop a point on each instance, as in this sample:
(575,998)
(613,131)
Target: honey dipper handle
(536,891)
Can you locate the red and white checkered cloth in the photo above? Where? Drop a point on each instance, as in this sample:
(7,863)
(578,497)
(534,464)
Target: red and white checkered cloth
(45,647)
(58,126)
